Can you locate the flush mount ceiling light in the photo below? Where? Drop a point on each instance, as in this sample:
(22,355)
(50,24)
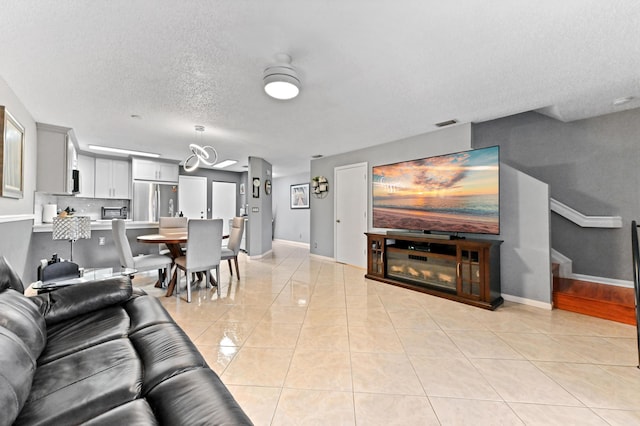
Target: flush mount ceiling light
(225,163)
(281,79)
(622,101)
(123,151)
(206,155)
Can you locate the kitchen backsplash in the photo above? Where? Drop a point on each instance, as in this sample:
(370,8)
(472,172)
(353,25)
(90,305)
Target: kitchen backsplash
(91,207)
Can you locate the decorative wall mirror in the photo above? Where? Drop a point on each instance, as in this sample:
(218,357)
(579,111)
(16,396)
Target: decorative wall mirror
(319,186)
(12,155)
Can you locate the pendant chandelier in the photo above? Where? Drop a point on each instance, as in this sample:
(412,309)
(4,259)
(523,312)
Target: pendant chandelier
(206,155)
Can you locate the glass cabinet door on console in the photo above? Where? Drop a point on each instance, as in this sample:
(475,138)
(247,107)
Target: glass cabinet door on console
(375,260)
(470,281)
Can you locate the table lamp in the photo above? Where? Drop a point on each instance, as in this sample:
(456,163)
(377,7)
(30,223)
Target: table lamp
(71,228)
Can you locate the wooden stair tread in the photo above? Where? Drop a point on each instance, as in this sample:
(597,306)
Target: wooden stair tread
(596,291)
(595,299)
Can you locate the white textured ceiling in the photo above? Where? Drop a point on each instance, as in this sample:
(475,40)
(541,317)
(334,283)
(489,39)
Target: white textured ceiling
(372,71)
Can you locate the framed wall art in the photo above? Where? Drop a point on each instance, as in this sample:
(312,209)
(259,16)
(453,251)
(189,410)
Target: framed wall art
(256,187)
(11,155)
(300,196)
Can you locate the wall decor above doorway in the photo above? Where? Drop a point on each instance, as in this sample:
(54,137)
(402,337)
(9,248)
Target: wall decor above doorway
(11,155)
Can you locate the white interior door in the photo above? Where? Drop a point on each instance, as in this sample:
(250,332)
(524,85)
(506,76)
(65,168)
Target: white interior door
(223,203)
(192,196)
(351,214)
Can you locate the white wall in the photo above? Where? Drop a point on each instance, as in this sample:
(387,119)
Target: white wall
(525,254)
(16,236)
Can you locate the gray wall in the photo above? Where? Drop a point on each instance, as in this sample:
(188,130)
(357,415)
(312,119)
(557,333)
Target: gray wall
(14,245)
(14,242)
(444,141)
(260,221)
(290,224)
(590,165)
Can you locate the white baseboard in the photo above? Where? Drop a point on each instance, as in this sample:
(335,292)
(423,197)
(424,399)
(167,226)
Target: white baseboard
(528,302)
(292,243)
(16,217)
(320,257)
(260,256)
(602,280)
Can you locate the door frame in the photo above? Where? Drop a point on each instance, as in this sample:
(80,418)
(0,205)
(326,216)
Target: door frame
(205,194)
(365,189)
(224,184)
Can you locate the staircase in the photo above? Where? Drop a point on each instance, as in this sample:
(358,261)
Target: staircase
(594,299)
(606,301)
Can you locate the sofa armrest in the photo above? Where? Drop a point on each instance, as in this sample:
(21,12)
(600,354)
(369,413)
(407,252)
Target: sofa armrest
(68,302)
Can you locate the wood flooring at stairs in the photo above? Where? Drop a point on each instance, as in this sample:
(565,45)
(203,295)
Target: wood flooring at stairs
(594,299)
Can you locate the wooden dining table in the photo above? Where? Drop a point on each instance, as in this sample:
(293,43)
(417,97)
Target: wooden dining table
(173,238)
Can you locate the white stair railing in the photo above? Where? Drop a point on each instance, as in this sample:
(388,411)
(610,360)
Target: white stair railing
(565,263)
(584,220)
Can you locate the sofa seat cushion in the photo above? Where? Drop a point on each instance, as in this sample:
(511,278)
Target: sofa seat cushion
(83,385)
(165,350)
(17,367)
(85,331)
(196,397)
(145,311)
(136,412)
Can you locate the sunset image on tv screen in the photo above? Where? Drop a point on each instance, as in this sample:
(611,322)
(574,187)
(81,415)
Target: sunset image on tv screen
(452,193)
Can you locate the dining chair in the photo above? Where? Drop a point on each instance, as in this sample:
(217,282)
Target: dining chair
(168,224)
(205,245)
(141,263)
(233,246)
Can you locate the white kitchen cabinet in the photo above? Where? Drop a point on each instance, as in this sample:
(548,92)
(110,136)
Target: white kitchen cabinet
(112,179)
(154,170)
(87,168)
(56,159)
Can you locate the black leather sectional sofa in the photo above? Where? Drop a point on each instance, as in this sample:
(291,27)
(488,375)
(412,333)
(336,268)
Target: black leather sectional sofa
(102,353)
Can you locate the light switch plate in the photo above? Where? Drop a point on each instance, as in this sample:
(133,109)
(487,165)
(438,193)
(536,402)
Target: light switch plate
(255,209)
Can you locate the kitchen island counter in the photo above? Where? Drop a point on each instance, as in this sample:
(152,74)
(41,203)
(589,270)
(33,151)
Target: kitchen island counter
(99,225)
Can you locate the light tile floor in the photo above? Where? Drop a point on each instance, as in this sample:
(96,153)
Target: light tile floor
(303,340)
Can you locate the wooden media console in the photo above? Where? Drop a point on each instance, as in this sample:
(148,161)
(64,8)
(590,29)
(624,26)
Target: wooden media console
(463,270)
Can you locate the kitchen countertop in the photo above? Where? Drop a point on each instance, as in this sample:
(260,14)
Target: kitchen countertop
(99,225)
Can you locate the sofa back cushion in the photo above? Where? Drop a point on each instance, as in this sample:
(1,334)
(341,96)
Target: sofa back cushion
(21,316)
(8,277)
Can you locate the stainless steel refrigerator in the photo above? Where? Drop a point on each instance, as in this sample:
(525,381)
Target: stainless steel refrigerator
(152,200)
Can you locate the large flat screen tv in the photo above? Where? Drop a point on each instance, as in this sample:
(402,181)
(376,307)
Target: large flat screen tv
(453,193)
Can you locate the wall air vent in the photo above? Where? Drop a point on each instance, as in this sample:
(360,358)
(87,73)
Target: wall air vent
(446,123)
